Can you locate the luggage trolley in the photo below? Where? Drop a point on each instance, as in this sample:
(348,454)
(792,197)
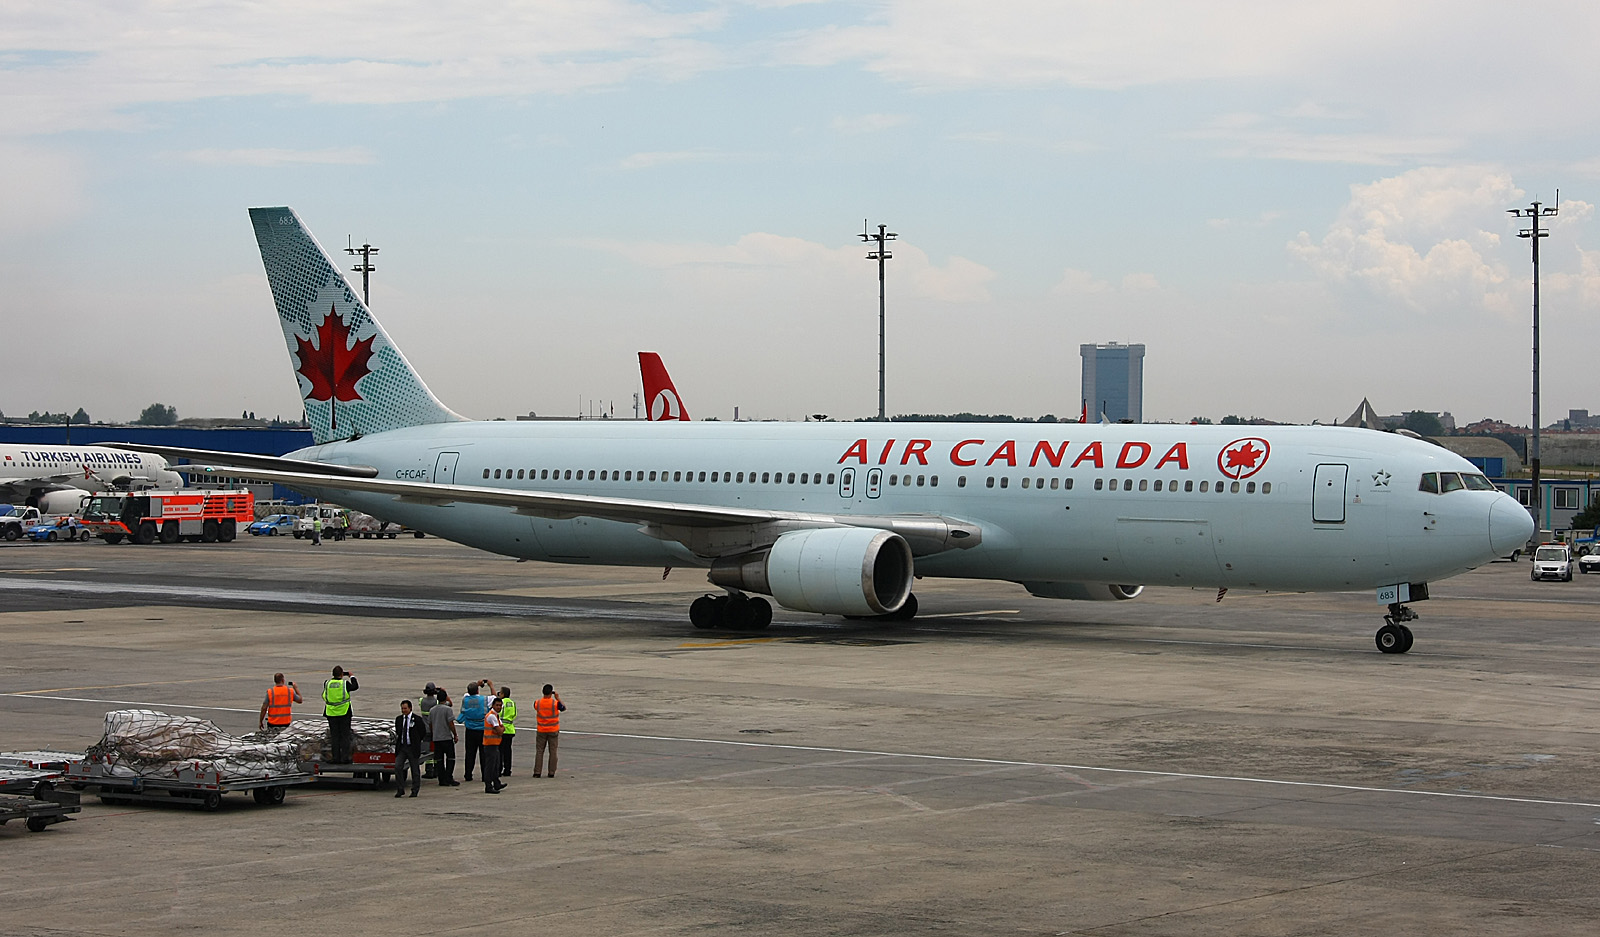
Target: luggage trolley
(29,794)
(189,785)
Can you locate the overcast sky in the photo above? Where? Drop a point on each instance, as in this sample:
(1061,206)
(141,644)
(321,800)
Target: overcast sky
(1293,205)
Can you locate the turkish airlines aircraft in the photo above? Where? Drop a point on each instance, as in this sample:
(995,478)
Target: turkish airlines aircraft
(838,518)
(55,478)
(661,397)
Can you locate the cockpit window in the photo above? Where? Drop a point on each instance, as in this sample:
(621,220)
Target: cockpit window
(1449,481)
(1478,483)
(1430,483)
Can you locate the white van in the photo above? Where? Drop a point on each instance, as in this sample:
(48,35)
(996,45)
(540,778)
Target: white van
(1552,561)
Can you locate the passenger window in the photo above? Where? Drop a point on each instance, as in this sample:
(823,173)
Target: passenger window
(652,476)
(961,481)
(519,473)
(1450,481)
(1250,488)
(893,480)
(485,473)
(1099,483)
(1004,481)
(702,476)
(1025,482)
(1430,483)
(627,476)
(989,483)
(1172,485)
(1204,486)
(1266,488)
(1158,484)
(602,476)
(830,478)
(919,481)
(1234,488)
(496,473)
(933,481)
(1144,484)
(740,479)
(591,474)
(791,478)
(676,476)
(1188,485)
(1068,484)
(765,477)
(803,480)
(1055,483)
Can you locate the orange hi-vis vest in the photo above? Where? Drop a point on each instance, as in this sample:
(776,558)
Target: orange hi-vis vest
(492,730)
(278,700)
(546,717)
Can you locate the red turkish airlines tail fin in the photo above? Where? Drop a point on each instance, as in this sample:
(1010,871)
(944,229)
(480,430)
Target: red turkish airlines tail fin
(661,400)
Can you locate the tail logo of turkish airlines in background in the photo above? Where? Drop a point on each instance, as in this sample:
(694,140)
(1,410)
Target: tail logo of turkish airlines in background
(1243,457)
(661,397)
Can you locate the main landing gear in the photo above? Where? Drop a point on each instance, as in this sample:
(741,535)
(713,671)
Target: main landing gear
(735,612)
(1394,637)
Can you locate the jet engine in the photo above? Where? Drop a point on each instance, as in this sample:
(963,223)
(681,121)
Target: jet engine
(831,570)
(1083,591)
(64,501)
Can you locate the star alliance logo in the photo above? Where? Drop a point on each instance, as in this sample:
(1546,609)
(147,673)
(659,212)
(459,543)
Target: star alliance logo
(1380,479)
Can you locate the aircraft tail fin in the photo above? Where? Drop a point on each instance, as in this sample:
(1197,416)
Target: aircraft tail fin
(353,378)
(661,397)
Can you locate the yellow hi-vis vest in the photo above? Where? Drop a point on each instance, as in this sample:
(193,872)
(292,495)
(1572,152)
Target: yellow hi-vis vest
(335,698)
(508,714)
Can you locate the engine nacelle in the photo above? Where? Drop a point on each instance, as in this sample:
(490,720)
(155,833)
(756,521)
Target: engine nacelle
(1083,591)
(831,570)
(65,501)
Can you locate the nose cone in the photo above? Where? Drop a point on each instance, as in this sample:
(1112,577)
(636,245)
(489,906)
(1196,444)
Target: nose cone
(1510,526)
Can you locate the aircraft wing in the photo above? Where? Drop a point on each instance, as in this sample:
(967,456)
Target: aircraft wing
(248,460)
(695,525)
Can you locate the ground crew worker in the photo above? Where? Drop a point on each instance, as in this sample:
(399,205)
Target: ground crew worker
(336,706)
(508,715)
(473,708)
(493,732)
(547,712)
(316,530)
(430,696)
(442,720)
(275,708)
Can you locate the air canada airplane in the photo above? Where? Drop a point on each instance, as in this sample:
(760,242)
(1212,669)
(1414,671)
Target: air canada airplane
(840,518)
(55,478)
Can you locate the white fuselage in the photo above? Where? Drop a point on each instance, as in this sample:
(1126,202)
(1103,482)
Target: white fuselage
(27,470)
(1291,508)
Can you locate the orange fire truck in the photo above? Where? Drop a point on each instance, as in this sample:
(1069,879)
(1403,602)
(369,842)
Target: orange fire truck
(194,514)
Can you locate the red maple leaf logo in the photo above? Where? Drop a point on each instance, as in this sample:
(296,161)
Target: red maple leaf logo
(334,365)
(1243,457)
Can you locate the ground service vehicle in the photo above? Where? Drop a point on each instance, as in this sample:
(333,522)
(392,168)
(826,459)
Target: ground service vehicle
(61,528)
(195,514)
(16,523)
(1552,561)
(335,521)
(272,525)
(1589,563)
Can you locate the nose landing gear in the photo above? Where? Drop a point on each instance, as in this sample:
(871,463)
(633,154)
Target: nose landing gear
(1394,637)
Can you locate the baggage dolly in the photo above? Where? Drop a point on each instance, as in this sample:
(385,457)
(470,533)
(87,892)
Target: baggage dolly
(189,785)
(27,794)
(367,769)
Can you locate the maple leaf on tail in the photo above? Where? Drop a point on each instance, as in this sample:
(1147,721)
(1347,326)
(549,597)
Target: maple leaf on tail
(334,365)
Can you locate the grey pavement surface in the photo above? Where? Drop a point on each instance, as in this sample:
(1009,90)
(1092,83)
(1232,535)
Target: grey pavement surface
(1001,765)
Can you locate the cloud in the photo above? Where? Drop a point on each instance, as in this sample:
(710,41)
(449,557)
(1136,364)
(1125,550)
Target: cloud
(869,123)
(759,262)
(40,188)
(337,156)
(1361,148)
(652,160)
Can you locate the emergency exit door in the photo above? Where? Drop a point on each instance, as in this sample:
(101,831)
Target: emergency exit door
(847,483)
(444,468)
(1327,494)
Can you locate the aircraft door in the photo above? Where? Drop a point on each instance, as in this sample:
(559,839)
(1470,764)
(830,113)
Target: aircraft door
(874,482)
(1327,494)
(847,484)
(444,469)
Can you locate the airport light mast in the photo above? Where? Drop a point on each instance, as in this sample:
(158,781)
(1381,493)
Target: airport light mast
(880,255)
(1534,212)
(364,268)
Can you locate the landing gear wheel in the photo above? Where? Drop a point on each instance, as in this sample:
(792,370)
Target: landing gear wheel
(759,614)
(1391,639)
(1409,638)
(208,532)
(734,612)
(146,534)
(907,611)
(703,612)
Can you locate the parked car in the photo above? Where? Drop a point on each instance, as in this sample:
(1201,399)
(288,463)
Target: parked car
(1552,561)
(62,528)
(273,525)
(1589,563)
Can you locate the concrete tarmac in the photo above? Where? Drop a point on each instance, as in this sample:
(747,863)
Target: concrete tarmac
(1000,765)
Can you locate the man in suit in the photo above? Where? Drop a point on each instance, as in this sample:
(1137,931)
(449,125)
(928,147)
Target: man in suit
(409,733)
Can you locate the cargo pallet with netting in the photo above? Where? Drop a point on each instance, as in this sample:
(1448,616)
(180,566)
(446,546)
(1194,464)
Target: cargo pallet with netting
(189,785)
